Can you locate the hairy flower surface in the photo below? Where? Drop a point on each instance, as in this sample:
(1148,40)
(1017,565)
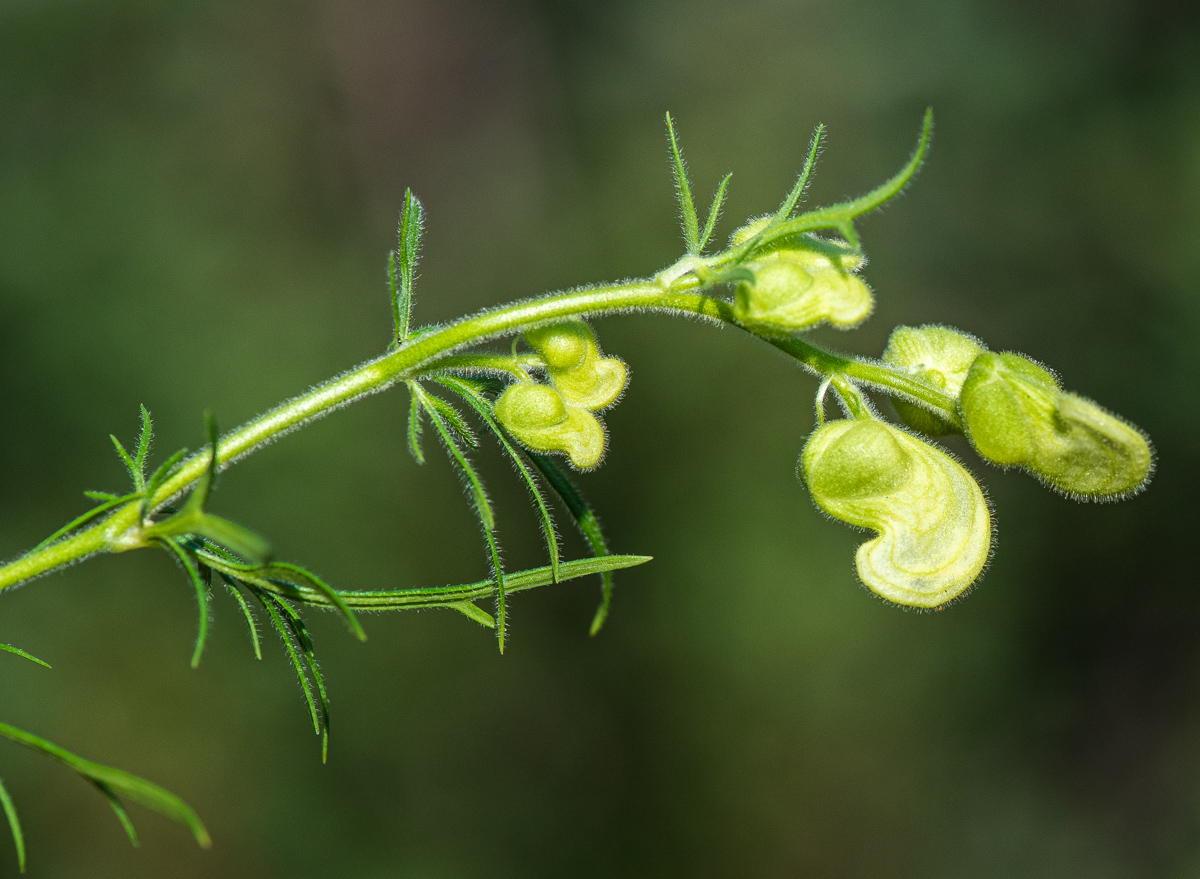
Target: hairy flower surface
(805,284)
(931,517)
(941,356)
(1016,415)
(575,365)
(539,417)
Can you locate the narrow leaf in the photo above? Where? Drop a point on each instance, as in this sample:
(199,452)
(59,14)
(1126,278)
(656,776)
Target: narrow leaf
(143,446)
(454,420)
(270,603)
(683,191)
(119,808)
(100,495)
(243,542)
(120,782)
(896,184)
(202,598)
(789,203)
(412,221)
(110,501)
(128,461)
(469,610)
(304,577)
(251,623)
(483,408)
(394,290)
(14,824)
(296,624)
(714,212)
(586,522)
(842,216)
(8,648)
(483,508)
(157,478)
(447,596)
(414,426)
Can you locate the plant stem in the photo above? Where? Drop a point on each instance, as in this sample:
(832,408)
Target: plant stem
(432,350)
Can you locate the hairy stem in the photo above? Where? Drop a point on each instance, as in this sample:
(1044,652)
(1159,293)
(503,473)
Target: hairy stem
(431,351)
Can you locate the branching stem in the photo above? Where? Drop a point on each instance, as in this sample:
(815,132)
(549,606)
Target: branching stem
(438,350)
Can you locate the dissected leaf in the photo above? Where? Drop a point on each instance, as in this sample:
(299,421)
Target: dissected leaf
(414,426)
(143,446)
(291,629)
(251,624)
(110,502)
(119,809)
(14,825)
(157,478)
(127,460)
(586,522)
(202,597)
(714,212)
(483,507)
(471,394)
(449,596)
(8,648)
(403,263)
(302,576)
(793,197)
(117,781)
(454,419)
(683,191)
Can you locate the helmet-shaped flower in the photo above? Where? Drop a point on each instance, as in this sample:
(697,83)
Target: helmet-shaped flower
(934,528)
(938,355)
(573,361)
(1015,414)
(808,282)
(540,419)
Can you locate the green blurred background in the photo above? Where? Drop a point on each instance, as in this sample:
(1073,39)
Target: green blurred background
(196,200)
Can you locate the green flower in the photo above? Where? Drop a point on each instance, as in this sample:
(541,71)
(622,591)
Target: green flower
(575,366)
(808,282)
(1016,414)
(540,419)
(940,356)
(933,523)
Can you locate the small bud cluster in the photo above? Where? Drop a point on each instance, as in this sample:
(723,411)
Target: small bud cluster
(560,416)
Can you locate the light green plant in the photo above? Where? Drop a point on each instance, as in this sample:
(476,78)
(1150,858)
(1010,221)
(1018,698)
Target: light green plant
(776,278)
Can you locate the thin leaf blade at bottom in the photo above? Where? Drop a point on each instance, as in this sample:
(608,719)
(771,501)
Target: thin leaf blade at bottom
(14,825)
(121,782)
(588,525)
(483,408)
(202,597)
(17,651)
(119,808)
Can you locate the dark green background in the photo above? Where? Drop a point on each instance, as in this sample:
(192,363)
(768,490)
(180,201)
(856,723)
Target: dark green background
(196,200)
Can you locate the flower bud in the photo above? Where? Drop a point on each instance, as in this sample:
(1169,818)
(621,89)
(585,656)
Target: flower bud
(796,288)
(940,356)
(539,418)
(1015,414)
(575,365)
(933,523)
